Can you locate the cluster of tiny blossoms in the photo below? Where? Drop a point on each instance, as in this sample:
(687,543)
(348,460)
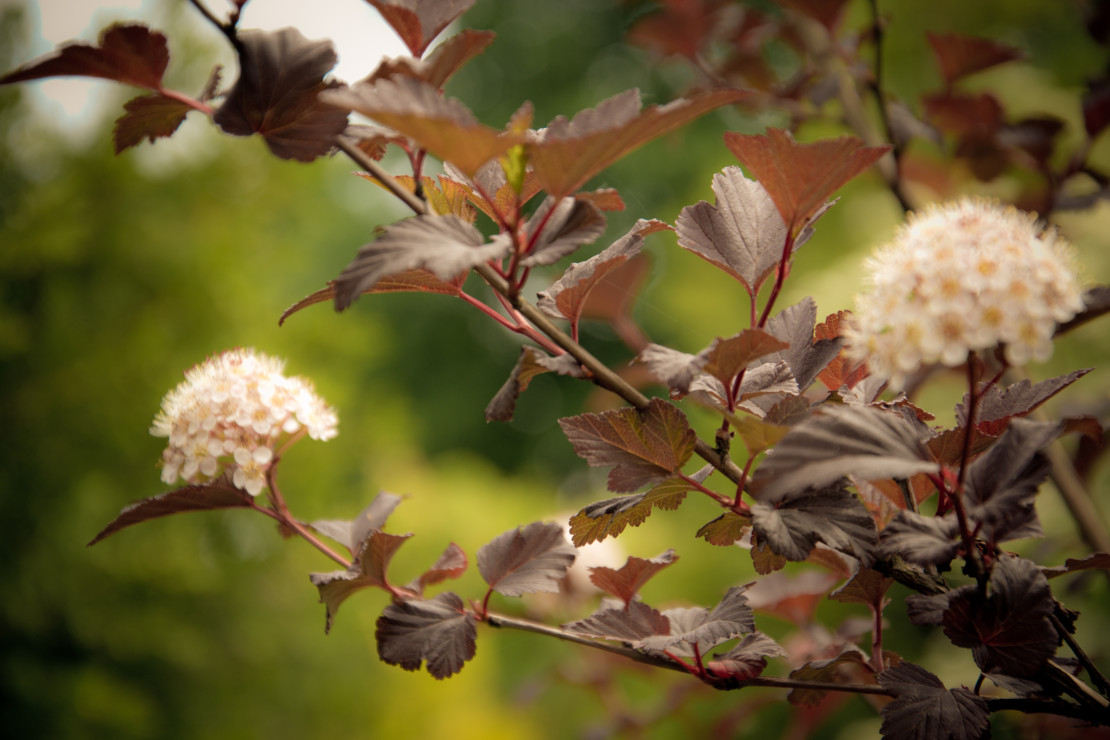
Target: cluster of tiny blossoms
(231,414)
(961,277)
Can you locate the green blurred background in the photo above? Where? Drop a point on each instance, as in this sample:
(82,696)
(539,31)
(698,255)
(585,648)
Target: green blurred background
(119,272)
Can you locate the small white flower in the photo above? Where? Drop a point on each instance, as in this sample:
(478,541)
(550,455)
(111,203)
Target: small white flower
(962,277)
(230,414)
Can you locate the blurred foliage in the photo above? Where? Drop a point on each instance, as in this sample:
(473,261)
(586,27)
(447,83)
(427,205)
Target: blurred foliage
(118,273)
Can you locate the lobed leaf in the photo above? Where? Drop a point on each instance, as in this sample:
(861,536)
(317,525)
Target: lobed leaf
(1098,560)
(567,296)
(147,117)
(799,178)
(451,564)
(805,355)
(352,534)
(866,587)
(794,525)
(442,64)
(625,582)
(839,372)
(997,406)
(643,447)
(1009,631)
(368,571)
(631,623)
(743,234)
(418,22)
(922,540)
(445,246)
(526,559)
(217,494)
(725,530)
(842,440)
(409,281)
(923,709)
(730,619)
(437,632)
(280,94)
(747,659)
(608,518)
(557,229)
(723,359)
(444,126)
(566,154)
(128,53)
(832,670)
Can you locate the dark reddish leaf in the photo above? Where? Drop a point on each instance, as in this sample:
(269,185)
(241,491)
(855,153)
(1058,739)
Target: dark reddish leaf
(631,624)
(839,372)
(444,126)
(997,406)
(743,233)
(978,116)
(555,232)
(1009,631)
(526,559)
(842,440)
(730,619)
(1000,486)
(368,571)
(794,525)
(801,177)
(765,560)
(444,61)
(1096,107)
(630,578)
(148,117)
(806,355)
(723,359)
(643,447)
(603,199)
(866,587)
(567,296)
(1036,135)
(566,154)
(1099,561)
(451,564)
(532,362)
(351,534)
(608,518)
(128,53)
(959,55)
(922,540)
(834,670)
(747,659)
(924,710)
(218,494)
(725,530)
(445,246)
(794,599)
(437,631)
(675,28)
(278,94)
(409,281)
(948,446)
(417,22)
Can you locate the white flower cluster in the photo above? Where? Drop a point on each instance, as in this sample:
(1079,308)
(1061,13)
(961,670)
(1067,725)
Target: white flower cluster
(231,414)
(964,276)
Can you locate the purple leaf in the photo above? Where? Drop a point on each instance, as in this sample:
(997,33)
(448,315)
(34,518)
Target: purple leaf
(1009,631)
(861,441)
(832,670)
(148,117)
(747,659)
(866,587)
(922,540)
(567,296)
(218,494)
(532,362)
(351,534)
(368,571)
(731,618)
(1000,405)
(437,631)
(631,623)
(446,246)
(278,94)
(566,154)
(643,447)
(444,126)
(442,64)
(561,230)
(526,559)
(417,22)
(128,53)
(924,710)
(608,518)
(794,525)
(1098,560)
(795,326)
(451,564)
(630,578)
(723,359)
(743,233)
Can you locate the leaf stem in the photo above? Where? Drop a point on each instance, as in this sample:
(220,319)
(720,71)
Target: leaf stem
(280,512)
(971,552)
